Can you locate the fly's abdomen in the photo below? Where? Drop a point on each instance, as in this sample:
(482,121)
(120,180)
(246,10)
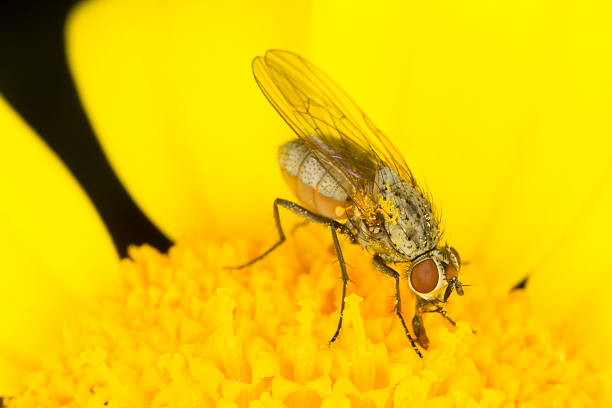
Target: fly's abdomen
(312,183)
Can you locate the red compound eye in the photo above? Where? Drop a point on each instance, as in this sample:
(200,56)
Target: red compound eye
(424,276)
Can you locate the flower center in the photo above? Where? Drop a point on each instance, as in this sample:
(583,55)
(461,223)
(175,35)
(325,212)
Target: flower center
(183,331)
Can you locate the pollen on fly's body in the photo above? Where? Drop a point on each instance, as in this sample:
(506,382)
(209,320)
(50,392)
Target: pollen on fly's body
(346,175)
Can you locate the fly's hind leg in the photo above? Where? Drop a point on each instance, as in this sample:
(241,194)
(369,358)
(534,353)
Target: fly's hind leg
(443,313)
(279,229)
(384,268)
(309,216)
(302,212)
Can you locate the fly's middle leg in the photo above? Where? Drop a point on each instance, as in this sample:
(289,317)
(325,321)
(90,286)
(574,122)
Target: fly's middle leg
(345,279)
(384,268)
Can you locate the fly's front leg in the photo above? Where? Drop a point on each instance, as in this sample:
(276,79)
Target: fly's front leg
(381,266)
(422,307)
(443,313)
(438,309)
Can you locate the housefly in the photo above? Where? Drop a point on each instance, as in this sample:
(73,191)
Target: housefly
(347,175)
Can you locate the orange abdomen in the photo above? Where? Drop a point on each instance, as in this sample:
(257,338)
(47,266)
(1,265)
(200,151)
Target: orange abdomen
(312,183)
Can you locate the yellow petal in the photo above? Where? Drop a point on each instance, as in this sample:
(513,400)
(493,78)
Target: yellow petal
(54,247)
(501,109)
(169,90)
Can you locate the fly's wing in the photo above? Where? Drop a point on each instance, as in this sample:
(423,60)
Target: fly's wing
(331,125)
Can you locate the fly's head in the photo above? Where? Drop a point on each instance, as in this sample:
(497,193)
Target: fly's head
(434,275)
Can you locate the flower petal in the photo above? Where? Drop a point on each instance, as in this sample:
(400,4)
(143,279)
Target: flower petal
(212,337)
(501,109)
(55,249)
(170,94)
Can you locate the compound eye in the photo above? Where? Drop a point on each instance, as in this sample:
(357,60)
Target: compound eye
(424,276)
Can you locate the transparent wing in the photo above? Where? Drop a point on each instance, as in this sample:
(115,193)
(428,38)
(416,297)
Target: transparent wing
(330,123)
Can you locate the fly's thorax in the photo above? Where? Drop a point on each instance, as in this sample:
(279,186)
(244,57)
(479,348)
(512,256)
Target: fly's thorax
(375,241)
(314,185)
(373,238)
(406,213)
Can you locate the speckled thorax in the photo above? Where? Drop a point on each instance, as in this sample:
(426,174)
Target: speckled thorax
(404,226)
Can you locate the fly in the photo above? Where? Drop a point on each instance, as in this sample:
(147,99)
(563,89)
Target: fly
(347,175)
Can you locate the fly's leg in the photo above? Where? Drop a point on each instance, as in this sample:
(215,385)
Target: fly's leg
(381,266)
(302,212)
(281,237)
(345,279)
(310,216)
(442,312)
(417,323)
(438,309)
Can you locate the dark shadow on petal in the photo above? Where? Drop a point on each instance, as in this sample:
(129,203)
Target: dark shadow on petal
(521,285)
(35,79)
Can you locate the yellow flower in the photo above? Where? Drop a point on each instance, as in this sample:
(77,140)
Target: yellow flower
(501,109)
